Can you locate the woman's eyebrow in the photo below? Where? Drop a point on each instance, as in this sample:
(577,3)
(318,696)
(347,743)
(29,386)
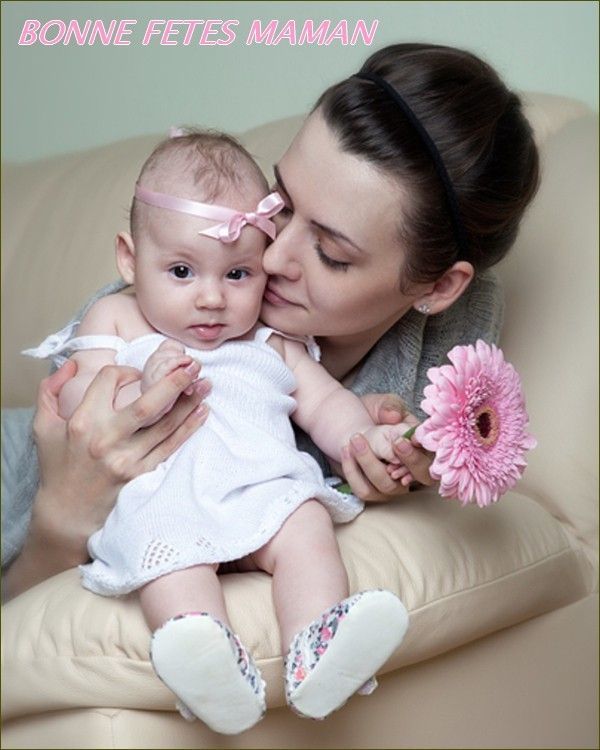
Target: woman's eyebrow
(334,233)
(337,235)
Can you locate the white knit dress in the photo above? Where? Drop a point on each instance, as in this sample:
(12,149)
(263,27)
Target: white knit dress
(228,489)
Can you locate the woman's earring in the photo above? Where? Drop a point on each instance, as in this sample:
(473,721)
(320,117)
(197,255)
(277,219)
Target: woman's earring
(424,308)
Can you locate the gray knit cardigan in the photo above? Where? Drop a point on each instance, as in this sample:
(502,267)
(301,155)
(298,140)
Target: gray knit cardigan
(398,363)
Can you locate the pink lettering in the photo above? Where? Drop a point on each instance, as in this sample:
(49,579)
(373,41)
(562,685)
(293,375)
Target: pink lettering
(29,32)
(287,32)
(123,31)
(75,30)
(45,39)
(257,35)
(169,30)
(229,34)
(339,32)
(151,31)
(192,25)
(99,30)
(309,36)
(209,28)
(361,30)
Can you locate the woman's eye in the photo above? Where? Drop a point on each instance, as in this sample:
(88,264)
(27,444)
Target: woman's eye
(237,274)
(180,271)
(282,218)
(338,265)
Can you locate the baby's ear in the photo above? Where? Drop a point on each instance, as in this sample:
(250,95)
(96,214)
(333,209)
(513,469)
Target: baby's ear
(125,256)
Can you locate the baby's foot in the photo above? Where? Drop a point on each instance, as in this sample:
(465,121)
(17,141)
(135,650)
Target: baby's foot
(336,654)
(210,672)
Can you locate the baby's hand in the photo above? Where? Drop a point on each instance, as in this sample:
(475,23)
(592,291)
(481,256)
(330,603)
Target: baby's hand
(381,438)
(168,357)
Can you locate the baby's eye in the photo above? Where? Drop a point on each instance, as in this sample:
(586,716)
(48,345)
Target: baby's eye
(237,274)
(180,271)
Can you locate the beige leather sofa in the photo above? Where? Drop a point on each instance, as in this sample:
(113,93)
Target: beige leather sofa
(501,650)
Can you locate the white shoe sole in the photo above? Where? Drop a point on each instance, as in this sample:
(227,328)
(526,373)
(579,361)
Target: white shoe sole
(193,656)
(365,639)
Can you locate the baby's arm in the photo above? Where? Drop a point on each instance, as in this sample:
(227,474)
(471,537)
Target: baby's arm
(330,413)
(100,319)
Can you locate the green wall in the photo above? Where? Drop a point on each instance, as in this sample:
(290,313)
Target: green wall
(59,98)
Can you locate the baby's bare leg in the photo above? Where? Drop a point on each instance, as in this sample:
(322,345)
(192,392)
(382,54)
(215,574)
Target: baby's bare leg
(308,572)
(194,589)
(197,655)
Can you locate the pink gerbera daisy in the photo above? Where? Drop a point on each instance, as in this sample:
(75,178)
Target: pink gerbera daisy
(477,425)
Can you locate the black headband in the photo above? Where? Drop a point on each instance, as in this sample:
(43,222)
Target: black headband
(440,168)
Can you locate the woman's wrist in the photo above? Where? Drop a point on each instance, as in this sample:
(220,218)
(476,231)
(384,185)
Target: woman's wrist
(48,550)
(64,539)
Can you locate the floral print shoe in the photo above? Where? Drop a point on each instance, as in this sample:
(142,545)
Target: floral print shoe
(210,672)
(338,654)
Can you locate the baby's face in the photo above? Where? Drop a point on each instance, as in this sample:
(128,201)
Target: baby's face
(196,289)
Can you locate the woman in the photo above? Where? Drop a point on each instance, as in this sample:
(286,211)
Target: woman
(405,184)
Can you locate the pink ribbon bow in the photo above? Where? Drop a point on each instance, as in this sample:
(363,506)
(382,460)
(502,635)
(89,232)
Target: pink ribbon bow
(232,221)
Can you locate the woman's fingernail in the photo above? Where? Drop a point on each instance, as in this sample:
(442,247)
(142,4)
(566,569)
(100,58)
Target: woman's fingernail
(359,443)
(191,368)
(403,447)
(203,387)
(202,410)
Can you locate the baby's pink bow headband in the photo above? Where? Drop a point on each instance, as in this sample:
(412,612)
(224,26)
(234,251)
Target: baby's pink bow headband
(232,221)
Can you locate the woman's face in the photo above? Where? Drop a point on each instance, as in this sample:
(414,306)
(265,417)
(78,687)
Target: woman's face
(335,265)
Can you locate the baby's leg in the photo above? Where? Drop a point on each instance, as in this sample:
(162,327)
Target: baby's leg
(308,572)
(334,643)
(196,589)
(195,653)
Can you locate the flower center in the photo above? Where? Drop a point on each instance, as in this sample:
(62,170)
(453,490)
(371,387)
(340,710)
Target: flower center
(486,425)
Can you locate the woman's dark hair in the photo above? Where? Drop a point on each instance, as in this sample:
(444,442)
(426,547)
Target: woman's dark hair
(480,132)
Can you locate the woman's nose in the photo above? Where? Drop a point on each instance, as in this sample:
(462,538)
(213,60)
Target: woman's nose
(281,256)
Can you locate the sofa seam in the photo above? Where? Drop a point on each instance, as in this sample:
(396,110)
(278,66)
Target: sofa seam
(565,551)
(124,658)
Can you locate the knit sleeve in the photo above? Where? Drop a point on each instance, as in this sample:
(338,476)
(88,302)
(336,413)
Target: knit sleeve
(19,479)
(400,360)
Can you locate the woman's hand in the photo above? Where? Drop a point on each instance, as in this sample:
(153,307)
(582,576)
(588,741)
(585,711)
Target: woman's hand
(85,460)
(168,357)
(366,474)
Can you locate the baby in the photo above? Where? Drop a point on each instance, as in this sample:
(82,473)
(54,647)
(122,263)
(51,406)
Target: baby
(238,488)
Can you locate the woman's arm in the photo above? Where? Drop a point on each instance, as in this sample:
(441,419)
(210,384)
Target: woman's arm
(86,460)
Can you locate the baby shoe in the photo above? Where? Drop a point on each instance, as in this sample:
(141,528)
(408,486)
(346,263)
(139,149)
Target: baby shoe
(337,654)
(210,672)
